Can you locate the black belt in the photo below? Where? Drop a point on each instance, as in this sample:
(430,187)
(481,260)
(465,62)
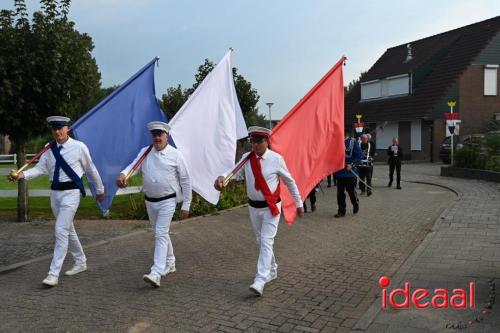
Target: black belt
(259,204)
(170,196)
(64,186)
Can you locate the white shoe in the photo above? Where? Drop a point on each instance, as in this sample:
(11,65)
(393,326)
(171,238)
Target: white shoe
(51,281)
(257,288)
(76,269)
(169,269)
(152,279)
(272,276)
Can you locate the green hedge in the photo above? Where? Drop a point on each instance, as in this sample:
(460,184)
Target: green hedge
(486,156)
(234,195)
(468,157)
(493,163)
(125,207)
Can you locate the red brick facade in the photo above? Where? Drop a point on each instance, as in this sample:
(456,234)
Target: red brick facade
(476,110)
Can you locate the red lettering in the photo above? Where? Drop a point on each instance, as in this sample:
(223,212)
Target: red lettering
(440,294)
(405,292)
(472,295)
(416,298)
(384,282)
(384,298)
(461,296)
(440,298)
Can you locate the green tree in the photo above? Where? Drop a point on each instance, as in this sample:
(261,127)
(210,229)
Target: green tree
(350,86)
(247,95)
(248,99)
(172,101)
(100,94)
(46,68)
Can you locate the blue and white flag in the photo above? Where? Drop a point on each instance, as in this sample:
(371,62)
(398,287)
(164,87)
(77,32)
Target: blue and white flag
(115,130)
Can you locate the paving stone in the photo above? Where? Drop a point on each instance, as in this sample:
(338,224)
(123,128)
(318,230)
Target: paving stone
(464,249)
(328,269)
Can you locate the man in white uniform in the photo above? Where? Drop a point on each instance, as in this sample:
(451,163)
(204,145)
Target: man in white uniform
(263,173)
(65,163)
(165,181)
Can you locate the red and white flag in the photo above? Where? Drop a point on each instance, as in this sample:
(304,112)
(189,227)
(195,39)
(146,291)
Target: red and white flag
(451,121)
(311,137)
(359,127)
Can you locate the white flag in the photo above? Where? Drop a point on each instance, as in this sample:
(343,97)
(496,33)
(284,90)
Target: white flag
(207,127)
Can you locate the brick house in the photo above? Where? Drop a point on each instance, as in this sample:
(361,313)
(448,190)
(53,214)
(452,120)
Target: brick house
(409,86)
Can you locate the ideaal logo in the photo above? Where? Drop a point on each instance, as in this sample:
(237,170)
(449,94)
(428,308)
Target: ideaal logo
(439,299)
(423,298)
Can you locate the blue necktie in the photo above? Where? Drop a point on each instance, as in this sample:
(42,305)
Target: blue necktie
(55,179)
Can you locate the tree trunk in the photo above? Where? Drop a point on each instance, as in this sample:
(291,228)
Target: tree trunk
(22,187)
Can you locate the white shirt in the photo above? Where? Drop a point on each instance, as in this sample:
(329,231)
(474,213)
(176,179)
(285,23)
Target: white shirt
(77,155)
(273,168)
(164,172)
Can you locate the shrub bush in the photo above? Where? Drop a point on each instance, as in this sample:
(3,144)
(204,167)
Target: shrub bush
(469,157)
(484,156)
(234,195)
(492,143)
(493,163)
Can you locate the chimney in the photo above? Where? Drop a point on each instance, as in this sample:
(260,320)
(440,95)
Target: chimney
(408,56)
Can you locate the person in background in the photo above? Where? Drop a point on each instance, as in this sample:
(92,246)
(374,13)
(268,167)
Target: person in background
(395,154)
(366,166)
(312,199)
(346,178)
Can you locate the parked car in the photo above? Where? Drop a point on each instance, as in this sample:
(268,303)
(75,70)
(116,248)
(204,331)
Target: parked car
(474,140)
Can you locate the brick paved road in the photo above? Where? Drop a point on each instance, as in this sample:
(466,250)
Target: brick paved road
(328,270)
(24,241)
(464,246)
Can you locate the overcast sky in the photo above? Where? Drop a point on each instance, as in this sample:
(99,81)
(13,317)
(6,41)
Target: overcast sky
(282,46)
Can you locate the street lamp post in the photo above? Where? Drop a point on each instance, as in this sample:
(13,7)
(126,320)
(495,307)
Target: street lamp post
(269,105)
(451,104)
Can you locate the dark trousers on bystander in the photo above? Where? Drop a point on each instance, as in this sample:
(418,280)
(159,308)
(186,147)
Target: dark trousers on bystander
(312,198)
(346,184)
(395,164)
(365,174)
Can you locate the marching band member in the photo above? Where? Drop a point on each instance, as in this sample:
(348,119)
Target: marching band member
(165,182)
(366,166)
(68,160)
(263,174)
(346,178)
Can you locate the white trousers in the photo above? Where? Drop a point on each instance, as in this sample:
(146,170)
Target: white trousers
(265,227)
(64,205)
(160,216)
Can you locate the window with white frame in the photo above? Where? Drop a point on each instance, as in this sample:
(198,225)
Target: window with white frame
(370,90)
(490,80)
(397,85)
(391,86)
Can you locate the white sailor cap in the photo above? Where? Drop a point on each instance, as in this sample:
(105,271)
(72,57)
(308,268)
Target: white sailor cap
(259,131)
(159,126)
(58,121)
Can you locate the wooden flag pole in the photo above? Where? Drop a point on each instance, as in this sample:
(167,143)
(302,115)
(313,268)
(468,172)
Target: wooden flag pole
(138,163)
(236,169)
(37,156)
